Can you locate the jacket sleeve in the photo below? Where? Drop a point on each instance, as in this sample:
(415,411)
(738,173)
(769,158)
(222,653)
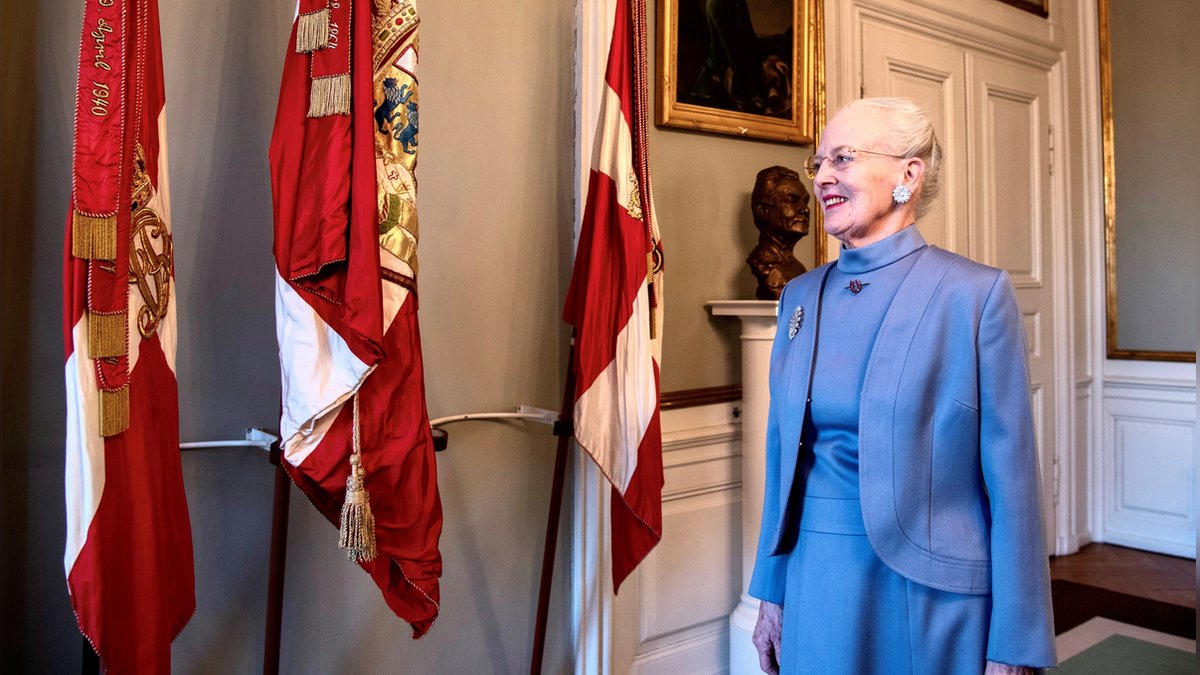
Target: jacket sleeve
(768,580)
(1021,630)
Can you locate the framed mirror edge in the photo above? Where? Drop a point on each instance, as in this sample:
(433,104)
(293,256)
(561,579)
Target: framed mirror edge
(1112,348)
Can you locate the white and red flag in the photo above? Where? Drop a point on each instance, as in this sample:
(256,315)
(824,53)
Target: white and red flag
(614,301)
(354,424)
(128,556)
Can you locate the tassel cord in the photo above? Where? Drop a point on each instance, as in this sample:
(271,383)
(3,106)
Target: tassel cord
(357,532)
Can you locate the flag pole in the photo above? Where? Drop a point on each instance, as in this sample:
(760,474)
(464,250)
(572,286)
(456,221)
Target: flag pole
(278,559)
(565,431)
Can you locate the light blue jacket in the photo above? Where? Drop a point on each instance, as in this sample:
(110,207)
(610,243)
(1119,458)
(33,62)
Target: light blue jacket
(948,472)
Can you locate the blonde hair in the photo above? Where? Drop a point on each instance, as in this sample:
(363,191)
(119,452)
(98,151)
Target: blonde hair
(909,133)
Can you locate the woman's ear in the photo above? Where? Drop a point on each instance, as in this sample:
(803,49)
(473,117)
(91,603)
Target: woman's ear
(914,171)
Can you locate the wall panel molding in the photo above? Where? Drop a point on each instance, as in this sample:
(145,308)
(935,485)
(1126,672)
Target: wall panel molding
(684,591)
(701,650)
(1147,466)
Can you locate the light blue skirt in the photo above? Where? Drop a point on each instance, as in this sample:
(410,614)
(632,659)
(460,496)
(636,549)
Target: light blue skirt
(844,611)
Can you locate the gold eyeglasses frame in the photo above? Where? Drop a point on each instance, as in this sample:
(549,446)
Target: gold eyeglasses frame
(813,164)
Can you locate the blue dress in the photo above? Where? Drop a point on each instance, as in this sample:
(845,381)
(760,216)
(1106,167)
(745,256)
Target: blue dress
(844,610)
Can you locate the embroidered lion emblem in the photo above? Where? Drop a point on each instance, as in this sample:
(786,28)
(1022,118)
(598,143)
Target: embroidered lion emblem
(407,134)
(387,112)
(393,98)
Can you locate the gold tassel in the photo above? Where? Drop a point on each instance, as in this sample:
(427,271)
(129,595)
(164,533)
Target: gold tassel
(312,31)
(106,335)
(114,411)
(330,96)
(357,532)
(93,237)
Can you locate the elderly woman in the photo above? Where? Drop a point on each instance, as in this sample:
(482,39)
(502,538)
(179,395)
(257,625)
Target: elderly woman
(901,527)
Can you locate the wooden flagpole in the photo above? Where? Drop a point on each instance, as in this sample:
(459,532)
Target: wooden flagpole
(564,428)
(276,566)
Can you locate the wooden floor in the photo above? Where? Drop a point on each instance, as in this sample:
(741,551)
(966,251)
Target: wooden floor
(1147,575)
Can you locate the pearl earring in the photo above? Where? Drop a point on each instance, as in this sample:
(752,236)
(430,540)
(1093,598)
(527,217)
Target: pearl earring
(901,194)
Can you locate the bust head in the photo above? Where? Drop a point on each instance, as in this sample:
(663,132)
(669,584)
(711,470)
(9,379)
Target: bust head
(779,204)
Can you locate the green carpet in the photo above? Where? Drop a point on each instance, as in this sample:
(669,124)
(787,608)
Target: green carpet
(1122,655)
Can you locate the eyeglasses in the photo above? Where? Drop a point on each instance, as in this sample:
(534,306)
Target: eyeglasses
(840,160)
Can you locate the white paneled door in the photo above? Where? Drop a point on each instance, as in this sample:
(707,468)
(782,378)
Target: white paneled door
(1011,223)
(992,117)
(932,73)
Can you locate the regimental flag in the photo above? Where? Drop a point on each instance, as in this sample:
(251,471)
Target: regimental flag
(342,156)
(614,301)
(129,544)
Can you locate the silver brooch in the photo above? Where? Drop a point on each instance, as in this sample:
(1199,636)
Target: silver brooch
(794,323)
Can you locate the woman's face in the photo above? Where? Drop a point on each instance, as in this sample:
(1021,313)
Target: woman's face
(857,200)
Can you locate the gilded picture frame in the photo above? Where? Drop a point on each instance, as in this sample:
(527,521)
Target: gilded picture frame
(738,67)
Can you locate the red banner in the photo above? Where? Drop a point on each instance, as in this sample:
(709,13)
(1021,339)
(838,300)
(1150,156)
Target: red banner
(128,555)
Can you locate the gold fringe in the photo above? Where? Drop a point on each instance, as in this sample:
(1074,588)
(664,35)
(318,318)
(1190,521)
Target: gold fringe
(330,96)
(382,7)
(312,31)
(106,335)
(93,237)
(114,411)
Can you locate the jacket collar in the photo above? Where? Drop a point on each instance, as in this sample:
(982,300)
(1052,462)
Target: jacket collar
(881,253)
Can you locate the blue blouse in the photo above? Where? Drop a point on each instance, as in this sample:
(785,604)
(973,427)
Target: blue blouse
(849,323)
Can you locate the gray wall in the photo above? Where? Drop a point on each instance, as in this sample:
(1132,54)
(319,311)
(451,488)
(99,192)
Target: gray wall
(496,183)
(1156,93)
(496,208)
(18,122)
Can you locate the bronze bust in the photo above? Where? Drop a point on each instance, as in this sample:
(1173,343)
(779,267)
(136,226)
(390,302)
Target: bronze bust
(780,207)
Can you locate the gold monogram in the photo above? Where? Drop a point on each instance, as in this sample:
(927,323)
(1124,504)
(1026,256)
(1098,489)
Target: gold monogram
(635,199)
(151,255)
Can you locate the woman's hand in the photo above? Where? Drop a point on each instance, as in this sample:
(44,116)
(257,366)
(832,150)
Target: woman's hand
(767,637)
(994,668)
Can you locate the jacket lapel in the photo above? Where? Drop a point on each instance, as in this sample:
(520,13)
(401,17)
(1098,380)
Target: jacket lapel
(881,385)
(797,384)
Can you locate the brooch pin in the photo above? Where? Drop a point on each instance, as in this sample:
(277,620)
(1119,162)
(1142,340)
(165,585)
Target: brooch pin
(794,323)
(856,286)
